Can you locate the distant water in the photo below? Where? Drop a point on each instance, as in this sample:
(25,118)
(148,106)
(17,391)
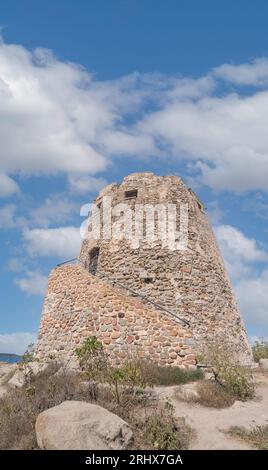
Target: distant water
(12,358)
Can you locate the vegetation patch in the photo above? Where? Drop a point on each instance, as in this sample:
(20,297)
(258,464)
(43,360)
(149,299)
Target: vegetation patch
(163,431)
(171,375)
(260,350)
(236,380)
(257,436)
(125,391)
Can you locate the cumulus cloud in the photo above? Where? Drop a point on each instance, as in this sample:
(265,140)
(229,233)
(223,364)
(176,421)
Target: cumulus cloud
(252,73)
(34,283)
(235,245)
(7,216)
(252,294)
(62,119)
(84,184)
(53,113)
(16,343)
(8,186)
(56,208)
(242,255)
(63,242)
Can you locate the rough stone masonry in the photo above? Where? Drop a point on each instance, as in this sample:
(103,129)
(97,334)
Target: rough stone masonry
(147,301)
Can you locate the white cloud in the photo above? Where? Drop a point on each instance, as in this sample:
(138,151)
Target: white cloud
(50,113)
(242,255)
(252,73)
(235,245)
(56,208)
(61,119)
(8,186)
(34,283)
(16,343)
(252,295)
(239,252)
(85,184)
(7,216)
(15,265)
(62,242)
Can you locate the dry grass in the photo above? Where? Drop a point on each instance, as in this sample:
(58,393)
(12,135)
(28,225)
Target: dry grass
(213,395)
(260,350)
(20,407)
(163,431)
(257,436)
(157,375)
(153,424)
(209,394)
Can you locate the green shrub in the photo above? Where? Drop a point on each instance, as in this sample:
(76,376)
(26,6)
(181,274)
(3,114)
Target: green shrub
(237,380)
(260,350)
(213,395)
(92,358)
(171,375)
(165,432)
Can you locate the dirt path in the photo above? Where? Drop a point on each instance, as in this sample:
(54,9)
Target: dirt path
(209,422)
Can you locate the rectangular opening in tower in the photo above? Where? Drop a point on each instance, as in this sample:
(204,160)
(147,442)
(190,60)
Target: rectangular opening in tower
(93,260)
(131,193)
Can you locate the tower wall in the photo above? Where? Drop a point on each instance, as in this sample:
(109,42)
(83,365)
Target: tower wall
(192,283)
(79,305)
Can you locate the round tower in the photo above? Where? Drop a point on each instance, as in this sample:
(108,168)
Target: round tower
(134,247)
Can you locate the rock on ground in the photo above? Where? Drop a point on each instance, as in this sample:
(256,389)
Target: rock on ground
(264,364)
(81,426)
(19,377)
(6,371)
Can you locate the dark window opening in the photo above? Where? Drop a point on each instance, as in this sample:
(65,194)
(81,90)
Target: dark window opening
(131,193)
(93,260)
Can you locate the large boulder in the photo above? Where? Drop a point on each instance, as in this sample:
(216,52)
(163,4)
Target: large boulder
(81,426)
(19,378)
(264,363)
(6,371)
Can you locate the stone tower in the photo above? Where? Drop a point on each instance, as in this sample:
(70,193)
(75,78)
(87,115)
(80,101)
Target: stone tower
(191,282)
(138,291)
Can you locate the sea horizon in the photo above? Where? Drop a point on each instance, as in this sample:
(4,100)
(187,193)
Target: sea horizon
(9,357)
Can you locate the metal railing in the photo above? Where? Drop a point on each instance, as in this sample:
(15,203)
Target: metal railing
(144,297)
(69,261)
(133,292)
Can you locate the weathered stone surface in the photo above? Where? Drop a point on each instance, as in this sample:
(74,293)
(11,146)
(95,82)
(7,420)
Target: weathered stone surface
(21,372)
(76,425)
(6,371)
(134,334)
(264,363)
(191,283)
(18,379)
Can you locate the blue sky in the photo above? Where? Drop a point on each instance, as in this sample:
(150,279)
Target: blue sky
(91,91)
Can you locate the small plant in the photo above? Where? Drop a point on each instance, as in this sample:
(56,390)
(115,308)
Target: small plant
(260,350)
(92,358)
(28,356)
(235,379)
(159,375)
(164,432)
(257,436)
(213,395)
(24,364)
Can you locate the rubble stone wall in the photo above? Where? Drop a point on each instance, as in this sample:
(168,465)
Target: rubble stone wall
(78,305)
(192,283)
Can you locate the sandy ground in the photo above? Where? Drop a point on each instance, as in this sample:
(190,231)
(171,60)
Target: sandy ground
(210,423)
